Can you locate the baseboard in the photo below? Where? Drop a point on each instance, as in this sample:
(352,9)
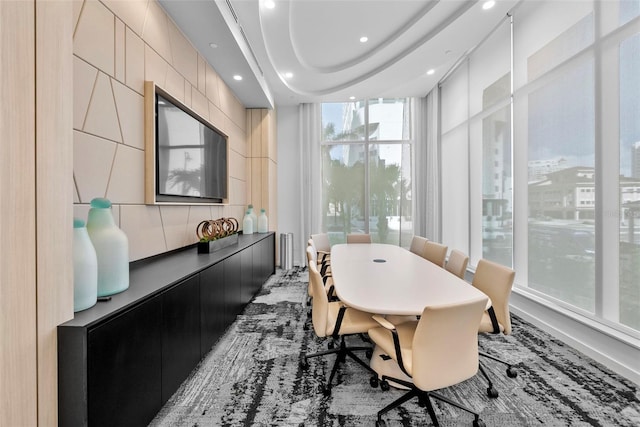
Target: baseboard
(613,349)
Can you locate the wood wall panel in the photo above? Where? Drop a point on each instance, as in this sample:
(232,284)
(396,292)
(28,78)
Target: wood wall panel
(54,196)
(18,343)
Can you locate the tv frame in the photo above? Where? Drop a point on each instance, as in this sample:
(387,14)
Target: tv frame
(151,191)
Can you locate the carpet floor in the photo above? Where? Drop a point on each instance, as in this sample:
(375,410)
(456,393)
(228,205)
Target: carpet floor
(252,377)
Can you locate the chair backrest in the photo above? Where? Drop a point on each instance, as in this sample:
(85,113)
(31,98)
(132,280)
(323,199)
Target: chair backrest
(311,262)
(457,263)
(358,238)
(321,242)
(320,302)
(495,281)
(417,245)
(445,344)
(435,252)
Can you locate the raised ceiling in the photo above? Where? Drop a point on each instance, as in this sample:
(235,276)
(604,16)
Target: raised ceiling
(318,42)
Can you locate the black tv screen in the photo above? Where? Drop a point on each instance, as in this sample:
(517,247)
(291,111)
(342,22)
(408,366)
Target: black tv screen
(191,156)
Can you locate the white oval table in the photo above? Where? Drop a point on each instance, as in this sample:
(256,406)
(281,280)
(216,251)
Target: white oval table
(387,279)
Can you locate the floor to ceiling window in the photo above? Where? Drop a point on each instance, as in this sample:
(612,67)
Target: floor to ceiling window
(546,114)
(366,170)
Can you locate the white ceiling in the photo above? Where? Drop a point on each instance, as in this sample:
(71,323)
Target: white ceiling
(318,42)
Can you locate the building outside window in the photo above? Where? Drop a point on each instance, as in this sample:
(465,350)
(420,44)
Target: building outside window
(366,170)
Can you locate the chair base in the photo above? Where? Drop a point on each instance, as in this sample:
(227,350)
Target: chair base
(342,351)
(511,373)
(424,399)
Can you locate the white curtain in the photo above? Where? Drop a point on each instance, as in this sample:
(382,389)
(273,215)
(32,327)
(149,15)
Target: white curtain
(426,187)
(311,162)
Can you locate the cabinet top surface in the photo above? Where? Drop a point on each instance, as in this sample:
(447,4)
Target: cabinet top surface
(148,278)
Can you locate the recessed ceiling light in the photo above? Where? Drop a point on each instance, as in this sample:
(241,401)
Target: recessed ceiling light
(237,77)
(364,39)
(269,4)
(352,97)
(488,4)
(288,75)
(213,45)
(430,72)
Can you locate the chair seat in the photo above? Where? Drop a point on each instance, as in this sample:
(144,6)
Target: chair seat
(384,339)
(353,322)
(486,325)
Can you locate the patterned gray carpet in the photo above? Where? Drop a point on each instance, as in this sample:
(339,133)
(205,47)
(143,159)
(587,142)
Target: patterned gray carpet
(252,377)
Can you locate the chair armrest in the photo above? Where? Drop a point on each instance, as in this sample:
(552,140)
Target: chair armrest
(384,322)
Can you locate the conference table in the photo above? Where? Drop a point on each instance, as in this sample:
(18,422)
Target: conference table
(387,279)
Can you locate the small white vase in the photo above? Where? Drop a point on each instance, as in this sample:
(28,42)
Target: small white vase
(85,268)
(263,222)
(247,223)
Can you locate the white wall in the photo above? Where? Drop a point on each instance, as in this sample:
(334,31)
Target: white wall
(290,180)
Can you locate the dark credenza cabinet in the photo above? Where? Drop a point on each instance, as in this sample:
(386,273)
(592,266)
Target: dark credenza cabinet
(121,360)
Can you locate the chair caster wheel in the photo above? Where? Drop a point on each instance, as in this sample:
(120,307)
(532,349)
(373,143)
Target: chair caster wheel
(305,327)
(421,403)
(384,385)
(326,391)
(511,372)
(304,364)
(368,353)
(492,392)
(478,423)
(381,423)
(331,345)
(373,381)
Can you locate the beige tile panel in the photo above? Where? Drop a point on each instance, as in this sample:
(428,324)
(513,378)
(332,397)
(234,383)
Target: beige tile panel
(249,179)
(102,118)
(132,12)
(76,197)
(120,51)
(130,108)
(175,84)
(273,194)
(237,138)
(156,31)
(155,68)
(197,214)
(217,118)
(255,131)
(199,103)
(272,142)
(143,227)
(94,37)
(77,8)
(174,220)
(202,74)
(237,165)
(187,93)
(212,80)
(134,61)
(81,211)
(84,79)
(237,192)
(185,56)
(126,184)
(230,105)
(92,160)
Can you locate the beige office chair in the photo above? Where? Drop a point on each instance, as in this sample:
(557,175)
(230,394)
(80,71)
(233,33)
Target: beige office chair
(327,280)
(435,252)
(358,238)
(335,320)
(417,245)
(438,351)
(495,281)
(457,263)
(322,245)
(324,266)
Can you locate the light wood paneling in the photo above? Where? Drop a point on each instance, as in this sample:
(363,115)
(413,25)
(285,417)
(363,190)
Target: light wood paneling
(18,343)
(54,197)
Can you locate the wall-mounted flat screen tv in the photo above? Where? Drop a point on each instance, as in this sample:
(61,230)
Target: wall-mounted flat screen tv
(191,155)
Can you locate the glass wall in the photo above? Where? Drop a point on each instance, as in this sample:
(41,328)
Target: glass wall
(549,123)
(366,170)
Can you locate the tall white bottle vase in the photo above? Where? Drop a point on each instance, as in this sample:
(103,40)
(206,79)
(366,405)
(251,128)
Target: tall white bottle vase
(263,222)
(254,218)
(247,224)
(112,248)
(85,268)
